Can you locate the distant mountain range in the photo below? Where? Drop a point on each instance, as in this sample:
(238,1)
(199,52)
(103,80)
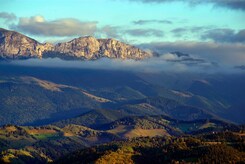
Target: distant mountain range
(38,96)
(31,101)
(14,45)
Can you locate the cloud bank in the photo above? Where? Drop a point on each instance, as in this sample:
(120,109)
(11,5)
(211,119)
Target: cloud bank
(225,35)
(37,25)
(7,17)
(231,4)
(67,27)
(187,59)
(154,64)
(144,32)
(143,22)
(223,53)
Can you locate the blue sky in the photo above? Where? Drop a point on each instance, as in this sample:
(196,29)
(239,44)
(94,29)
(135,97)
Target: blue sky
(184,25)
(119,15)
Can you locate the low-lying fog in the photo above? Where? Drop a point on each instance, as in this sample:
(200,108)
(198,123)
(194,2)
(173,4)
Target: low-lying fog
(166,63)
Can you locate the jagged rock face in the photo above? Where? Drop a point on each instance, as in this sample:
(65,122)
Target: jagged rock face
(15,45)
(43,48)
(92,48)
(84,47)
(114,49)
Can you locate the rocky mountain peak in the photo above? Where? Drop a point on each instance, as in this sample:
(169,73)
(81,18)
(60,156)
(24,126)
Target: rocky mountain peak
(115,49)
(16,45)
(92,48)
(82,47)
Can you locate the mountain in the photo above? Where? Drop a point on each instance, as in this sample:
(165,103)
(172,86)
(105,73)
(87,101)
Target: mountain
(28,100)
(94,118)
(162,125)
(161,105)
(138,108)
(92,48)
(15,45)
(124,92)
(224,94)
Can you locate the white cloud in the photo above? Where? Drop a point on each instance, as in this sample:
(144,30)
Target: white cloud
(37,25)
(222,53)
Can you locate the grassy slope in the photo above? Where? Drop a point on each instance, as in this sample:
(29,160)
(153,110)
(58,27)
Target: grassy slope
(48,143)
(27,100)
(165,150)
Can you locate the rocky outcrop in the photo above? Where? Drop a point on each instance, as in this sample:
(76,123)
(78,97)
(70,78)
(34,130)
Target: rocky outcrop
(92,48)
(114,49)
(15,45)
(83,47)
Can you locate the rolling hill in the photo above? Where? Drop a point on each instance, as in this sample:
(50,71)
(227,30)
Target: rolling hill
(28,100)
(49,143)
(187,149)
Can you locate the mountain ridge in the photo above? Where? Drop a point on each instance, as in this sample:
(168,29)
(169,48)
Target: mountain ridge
(14,45)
